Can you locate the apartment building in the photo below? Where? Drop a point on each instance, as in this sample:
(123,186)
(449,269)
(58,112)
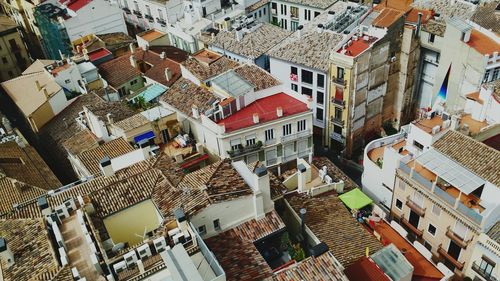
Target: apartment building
(60,23)
(15,57)
(445,197)
(147,14)
(290,14)
(301,61)
(359,72)
(485,256)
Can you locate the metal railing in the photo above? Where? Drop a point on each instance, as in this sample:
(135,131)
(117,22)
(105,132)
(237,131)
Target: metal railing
(291,137)
(423,181)
(245,149)
(470,213)
(445,196)
(483,272)
(404,168)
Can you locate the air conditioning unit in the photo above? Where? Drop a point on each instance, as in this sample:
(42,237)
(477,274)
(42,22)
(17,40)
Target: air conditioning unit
(328,179)
(120,267)
(436,129)
(160,244)
(445,116)
(178,238)
(187,236)
(50,67)
(130,258)
(446,124)
(144,251)
(173,232)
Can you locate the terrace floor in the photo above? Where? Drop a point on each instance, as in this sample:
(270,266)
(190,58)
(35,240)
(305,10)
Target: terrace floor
(378,152)
(474,125)
(422,267)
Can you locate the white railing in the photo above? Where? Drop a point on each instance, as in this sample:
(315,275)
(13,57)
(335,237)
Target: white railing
(296,136)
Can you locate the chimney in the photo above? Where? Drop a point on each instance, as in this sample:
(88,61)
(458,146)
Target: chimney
(110,118)
(106,168)
(262,185)
(419,22)
(46,93)
(146,148)
(133,61)
(226,23)
(163,55)
(299,30)
(331,15)
(132,48)
(279,111)
(320,28)
(301,177)
(38,86)
(168,73)
(239,33)
(145,47)
(6,255)
(196,112)
(255,118)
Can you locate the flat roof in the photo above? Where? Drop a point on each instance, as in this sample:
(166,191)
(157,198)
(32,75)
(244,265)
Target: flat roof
(358,46)
(99,54)
(392,261)
(152,92)
(156,112)
(151,35)
(266,109)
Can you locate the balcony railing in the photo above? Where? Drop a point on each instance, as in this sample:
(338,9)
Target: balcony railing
(295,136)
(270,142)
(415,207)
(161,21)
(470,213)
(487,276)
(456,238)
(126,10)
(245,150)
(137,13)
(404,168)
(445,196)
(337,121)
(338,137)
(415,230)
(423,181)
(444,253)
(338,102)
(339,81)
(149,18)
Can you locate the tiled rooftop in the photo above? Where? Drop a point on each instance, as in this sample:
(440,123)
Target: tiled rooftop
(14,192)
(169,168)
(435,27)
(226,183)
(367,270)
(254,43)
(330,221)
(118,71)
(80,142)
(494,232)
(335,172)
(323,267)
(320,4)
(134,121)
(29,242)
(112,149)
(487,17)
(254,230)
(477,157)
(256,5)
(205,64)
(102,108)
(266,108)
(447,10)
(258,77)
(482,43)
(26,165)
(184,94)
(115,40)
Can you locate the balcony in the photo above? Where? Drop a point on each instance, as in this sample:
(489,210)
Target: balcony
(245,150)
(470,213)
(295,136)
(415,230)
(339,81)
(149,18)
(337,121)
(126,10)
(162,22)
(487,276)
(338,137)
(444,253)
(415,207)
(422,180)
(456,238)
(337,102)
(137,13)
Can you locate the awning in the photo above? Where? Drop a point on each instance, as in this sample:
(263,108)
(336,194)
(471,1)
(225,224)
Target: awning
(145,136)
(355,199)
(194,161)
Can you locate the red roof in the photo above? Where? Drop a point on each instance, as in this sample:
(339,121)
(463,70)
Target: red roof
(365,269)
(266,108)
(75,5)
(358,46)
(482,43)
(98,54)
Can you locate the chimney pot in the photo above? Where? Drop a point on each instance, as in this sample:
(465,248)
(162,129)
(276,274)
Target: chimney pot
(133,61)
(168,74)
(279,111)
(132,48)
(163,55)
(255,118)
(106,168)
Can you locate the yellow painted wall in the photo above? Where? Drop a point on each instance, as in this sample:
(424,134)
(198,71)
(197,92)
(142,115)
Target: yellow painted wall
(41,116)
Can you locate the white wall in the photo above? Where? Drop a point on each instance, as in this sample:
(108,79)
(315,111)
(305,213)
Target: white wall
(302,20)
(58,102)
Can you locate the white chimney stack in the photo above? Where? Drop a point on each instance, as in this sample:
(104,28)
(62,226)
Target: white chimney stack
(132,48)
(6,255)
(163,55)
(262,185)
(299,31)
(301,177)
(320,28)
(168,74)
(133,61)
(110,118)
(196,112)
(279,111)
(106,168)
(255,118)
(146,148)
(239,33)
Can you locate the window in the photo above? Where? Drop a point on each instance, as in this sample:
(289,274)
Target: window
(427,246)
(294,12)
(293,70)
(235,144)
(307,14)
(418,198)
(320,97)
(283,9)
(460,229)
(287,129)
(4,60)
(307,91)
(294,87)
(431,229)
(316,14)
(431,38)
(269,134)
(301,125)
(319,114)
(399,204)
(216,224)
(202,230)
(337,129)
(250,140)
(274,7)
(321,80)
(486,266)
(340,73)
(307,76)
(338,113)
(496,73)
(260,13)
(133,82)
(436,210)
(339,94)
(294,25)
(264,11)
(418,145)
(160,14)
(67,81)
(402,185)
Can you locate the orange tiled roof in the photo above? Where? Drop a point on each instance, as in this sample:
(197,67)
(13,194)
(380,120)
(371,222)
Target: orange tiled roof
(482,43)
(475,97)
(387,17)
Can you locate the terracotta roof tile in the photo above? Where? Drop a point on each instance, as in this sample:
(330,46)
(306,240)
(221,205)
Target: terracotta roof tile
(487,16)
(102,108)
(257,76)
(33,253)
(226,183)
(323,267)
(15,192)
(387,17)
(169,168)
(483,43)
(184,94)
(434,27)
(335,172)
(471,154)
(80,142)
(119,71)
(114,148)
(254,230)
(332,223)
(256,5)
(204,71)
(26,165)
(494,232)
(134,121)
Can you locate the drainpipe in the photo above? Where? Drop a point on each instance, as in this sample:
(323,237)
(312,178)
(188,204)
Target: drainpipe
(302,222)
(419,22)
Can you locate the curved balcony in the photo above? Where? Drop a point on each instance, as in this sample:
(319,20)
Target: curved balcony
(444,253)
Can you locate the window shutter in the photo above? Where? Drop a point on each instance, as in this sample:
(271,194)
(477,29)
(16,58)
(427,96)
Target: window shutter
(279,148)
(262,156)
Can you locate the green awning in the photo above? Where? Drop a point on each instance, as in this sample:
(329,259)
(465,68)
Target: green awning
(355,199)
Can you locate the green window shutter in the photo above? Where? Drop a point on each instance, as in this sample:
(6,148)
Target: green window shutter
(279,149)
(294,146)
(262,156)
(309,142)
